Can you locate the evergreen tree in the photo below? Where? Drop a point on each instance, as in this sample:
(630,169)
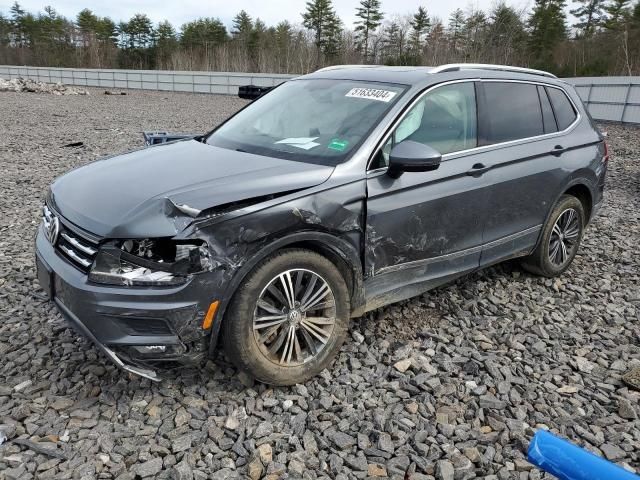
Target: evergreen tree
(607,39)
(547,29)
(259,34)
(283,37)
(284,34)
(456,26)
(106,31)
(5,30)
(242,27)
(122,34)
(258,37)
(51,29)
(392,41)
(17,13)
(419,27)
(617,14)
(321,18)
(474,34)
(87,23)
(138,35)
(92,27)
(139,31)
(589,14)
(506,33)
(370,16)
(166,43)
(635,16)
(166,34)
(203,32)
(19,23)
(333,42)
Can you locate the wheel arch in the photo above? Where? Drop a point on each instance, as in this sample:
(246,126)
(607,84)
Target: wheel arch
(337,250)
(582,193)
(578,188)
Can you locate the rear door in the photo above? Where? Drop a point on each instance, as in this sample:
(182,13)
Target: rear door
(424,227)
(526,169)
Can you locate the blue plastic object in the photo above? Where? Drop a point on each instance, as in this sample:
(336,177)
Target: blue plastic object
(570,462)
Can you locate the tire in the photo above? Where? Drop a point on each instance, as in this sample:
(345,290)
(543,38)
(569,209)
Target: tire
(549,259)
(270,352)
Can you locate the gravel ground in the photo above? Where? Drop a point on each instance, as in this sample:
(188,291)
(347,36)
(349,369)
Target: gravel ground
(448,385)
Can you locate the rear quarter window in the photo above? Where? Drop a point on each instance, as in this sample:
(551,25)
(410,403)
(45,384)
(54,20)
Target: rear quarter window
(562,107)
(512,111)
(547,112)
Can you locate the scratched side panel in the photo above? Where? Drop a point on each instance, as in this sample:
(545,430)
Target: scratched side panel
(420,216)
(332,217)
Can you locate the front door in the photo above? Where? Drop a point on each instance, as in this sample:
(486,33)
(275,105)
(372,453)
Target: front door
(424,228)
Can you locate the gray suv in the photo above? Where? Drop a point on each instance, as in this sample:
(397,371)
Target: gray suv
(331,195)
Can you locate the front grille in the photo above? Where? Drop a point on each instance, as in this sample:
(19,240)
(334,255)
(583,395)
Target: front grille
(78,249)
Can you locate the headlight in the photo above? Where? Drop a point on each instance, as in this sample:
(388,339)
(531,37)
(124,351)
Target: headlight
(149,262)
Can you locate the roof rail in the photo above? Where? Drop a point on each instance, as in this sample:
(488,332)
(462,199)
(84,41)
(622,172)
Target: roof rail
(339,67)
(452,67)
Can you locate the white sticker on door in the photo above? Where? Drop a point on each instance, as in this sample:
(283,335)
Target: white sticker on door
(371,94)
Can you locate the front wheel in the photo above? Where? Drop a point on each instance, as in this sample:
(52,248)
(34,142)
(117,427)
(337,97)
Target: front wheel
(560,240)
(288,319)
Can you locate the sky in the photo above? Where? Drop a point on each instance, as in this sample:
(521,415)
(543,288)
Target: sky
(270,11)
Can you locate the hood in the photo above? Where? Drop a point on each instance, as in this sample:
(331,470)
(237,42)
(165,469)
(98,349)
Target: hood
(144,193)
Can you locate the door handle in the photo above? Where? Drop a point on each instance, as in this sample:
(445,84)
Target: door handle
(478,169)
(558,150)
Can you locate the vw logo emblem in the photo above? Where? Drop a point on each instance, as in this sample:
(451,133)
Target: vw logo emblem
(52,229)
(294,316)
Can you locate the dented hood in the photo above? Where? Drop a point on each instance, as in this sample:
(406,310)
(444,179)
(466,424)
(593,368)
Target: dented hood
(155,192)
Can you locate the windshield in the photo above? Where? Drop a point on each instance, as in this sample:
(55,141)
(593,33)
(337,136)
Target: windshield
(316,121)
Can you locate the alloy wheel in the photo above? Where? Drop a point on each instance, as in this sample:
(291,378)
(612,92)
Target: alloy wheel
(294,318)
(564,237)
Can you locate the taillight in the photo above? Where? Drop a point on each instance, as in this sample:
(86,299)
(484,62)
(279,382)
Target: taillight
(605,157)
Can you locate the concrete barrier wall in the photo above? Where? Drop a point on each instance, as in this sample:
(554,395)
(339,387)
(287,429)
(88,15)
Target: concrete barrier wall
(172,81)
(610,98)
(607,98)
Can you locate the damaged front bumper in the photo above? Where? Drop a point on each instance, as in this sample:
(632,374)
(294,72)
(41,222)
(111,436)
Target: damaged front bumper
(140,329)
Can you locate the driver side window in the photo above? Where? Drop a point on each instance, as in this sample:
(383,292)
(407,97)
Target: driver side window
(444,118)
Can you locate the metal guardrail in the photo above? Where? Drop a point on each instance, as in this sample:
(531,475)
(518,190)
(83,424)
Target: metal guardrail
(607,98)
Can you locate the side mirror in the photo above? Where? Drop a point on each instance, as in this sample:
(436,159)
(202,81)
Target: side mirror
(410,156)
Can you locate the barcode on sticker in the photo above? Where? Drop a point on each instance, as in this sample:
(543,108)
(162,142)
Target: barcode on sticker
(371,94)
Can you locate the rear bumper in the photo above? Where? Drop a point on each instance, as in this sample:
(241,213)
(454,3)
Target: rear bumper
(139,329)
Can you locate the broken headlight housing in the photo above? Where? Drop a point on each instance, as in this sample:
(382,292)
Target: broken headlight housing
(149,262)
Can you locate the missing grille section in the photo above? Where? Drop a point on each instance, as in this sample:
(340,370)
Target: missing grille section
(145,326)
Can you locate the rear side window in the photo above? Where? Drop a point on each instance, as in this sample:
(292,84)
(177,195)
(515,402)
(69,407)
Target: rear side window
(562,107)
(513,111)
(547,113)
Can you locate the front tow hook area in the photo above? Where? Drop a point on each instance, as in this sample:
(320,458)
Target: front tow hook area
(83,330)
(143,372)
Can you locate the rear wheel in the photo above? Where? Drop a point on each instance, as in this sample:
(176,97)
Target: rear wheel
(560,240)
(288,319)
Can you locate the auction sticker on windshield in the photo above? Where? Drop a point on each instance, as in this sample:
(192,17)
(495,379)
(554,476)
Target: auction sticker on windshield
(371,94)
